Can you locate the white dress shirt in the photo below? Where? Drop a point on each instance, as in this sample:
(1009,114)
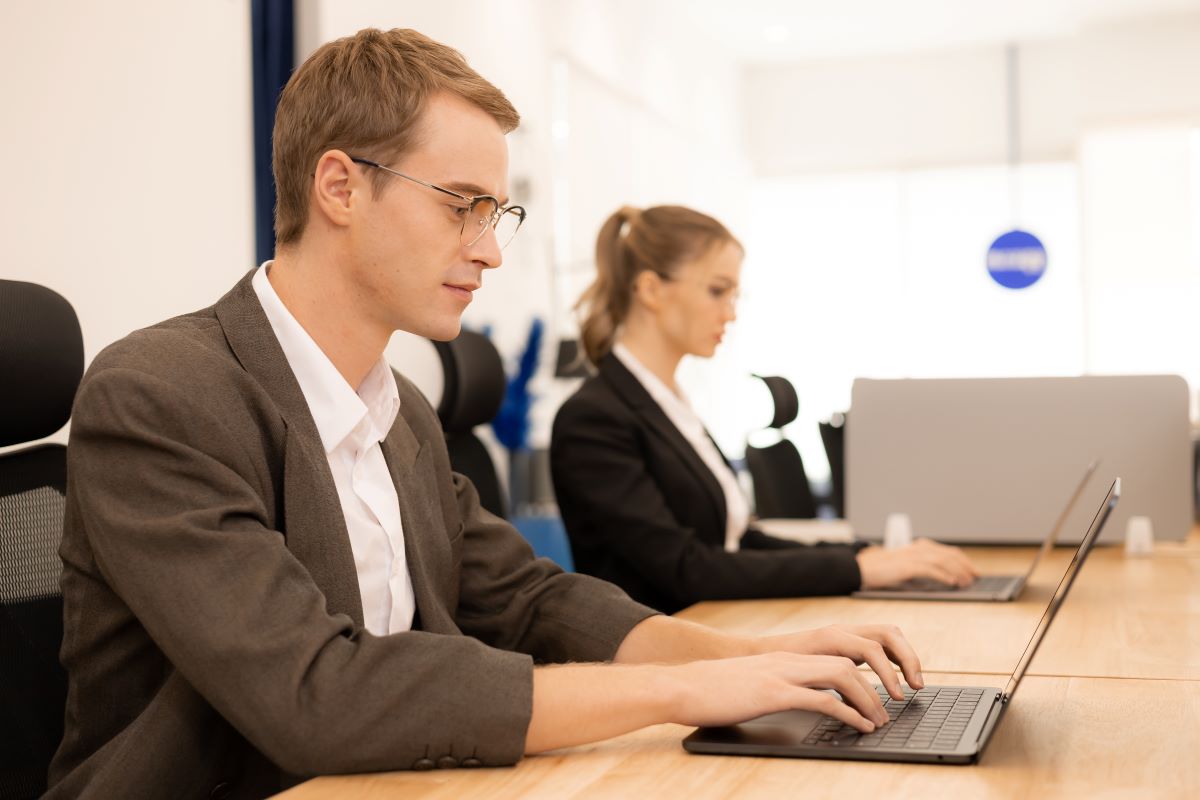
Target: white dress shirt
(351,425)
(679,411)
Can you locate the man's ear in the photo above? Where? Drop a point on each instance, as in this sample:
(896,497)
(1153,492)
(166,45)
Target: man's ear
(335,182)
(647,289)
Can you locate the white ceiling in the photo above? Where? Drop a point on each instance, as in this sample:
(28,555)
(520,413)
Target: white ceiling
(775,30)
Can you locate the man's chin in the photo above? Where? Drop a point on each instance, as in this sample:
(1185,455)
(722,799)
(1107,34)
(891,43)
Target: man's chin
(442,330)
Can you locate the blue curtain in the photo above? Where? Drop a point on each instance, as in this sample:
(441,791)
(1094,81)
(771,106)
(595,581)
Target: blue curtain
(272,31)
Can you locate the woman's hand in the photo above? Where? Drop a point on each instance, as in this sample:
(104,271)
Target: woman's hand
(924,558)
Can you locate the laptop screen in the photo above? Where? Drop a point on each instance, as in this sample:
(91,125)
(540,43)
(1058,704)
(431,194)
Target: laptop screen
(1052,538)
(1064,586)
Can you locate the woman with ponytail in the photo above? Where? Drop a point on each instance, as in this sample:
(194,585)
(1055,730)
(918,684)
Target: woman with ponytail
(648,500)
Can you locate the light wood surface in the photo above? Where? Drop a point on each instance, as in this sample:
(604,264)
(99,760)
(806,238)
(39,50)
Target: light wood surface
(1126,617)
(1062,737)
(1110,708)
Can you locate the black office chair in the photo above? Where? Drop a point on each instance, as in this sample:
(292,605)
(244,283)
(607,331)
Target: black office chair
(41,362)
(833,436)
(781,487)
(1196,477)
(474,390)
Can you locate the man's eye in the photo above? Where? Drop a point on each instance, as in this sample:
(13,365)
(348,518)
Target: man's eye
(458,211)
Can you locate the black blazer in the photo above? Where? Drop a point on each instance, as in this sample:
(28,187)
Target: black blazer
(643,511)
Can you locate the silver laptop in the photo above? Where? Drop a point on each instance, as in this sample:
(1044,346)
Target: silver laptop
(992,588)
(937,725)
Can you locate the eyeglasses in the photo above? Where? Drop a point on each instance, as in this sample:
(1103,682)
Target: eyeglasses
(478,213)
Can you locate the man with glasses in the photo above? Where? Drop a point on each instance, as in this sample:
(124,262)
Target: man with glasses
(269,570)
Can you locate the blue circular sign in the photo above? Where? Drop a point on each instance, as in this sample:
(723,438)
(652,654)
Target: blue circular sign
(1016,259)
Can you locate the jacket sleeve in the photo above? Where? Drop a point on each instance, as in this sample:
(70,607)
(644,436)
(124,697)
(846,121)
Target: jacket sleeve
(172,503)
(513,601)
(755,539)
(608,497)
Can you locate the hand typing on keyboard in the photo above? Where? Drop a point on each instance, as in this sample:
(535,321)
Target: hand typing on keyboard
(785,672)
(923,559)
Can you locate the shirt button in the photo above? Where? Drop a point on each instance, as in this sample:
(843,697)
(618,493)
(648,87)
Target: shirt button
(422,764)
(471,762)
(447,762)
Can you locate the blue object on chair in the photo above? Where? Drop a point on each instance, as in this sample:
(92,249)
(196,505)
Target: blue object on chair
(511,423)
(548,538)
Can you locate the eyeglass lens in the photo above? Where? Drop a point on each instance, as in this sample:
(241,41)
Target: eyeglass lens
(482,214)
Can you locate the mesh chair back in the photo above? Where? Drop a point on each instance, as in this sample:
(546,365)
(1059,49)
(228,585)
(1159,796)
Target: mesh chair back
(41,361)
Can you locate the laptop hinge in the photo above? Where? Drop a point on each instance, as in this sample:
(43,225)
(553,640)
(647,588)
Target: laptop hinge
(993,717)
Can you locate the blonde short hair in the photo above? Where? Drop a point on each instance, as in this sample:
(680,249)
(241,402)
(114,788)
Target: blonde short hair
(363,94)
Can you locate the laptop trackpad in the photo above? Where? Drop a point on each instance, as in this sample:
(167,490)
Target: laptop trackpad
(782,729)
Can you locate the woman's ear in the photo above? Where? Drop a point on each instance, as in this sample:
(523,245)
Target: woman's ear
(648,289)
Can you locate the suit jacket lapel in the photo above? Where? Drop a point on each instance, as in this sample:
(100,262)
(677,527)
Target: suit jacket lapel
(627,386)
(313,523)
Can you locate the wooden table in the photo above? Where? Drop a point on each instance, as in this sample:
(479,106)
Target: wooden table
(1110,708)
(1063,737)
(1125,617)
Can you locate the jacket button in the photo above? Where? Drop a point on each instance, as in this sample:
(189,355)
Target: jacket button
(471,762)
(220,791)
(447,762)
(422,764)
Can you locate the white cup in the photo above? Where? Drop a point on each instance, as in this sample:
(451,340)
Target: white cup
(1139,537)
(897,531)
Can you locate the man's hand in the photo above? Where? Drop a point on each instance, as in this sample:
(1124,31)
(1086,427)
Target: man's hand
(579,703)
(924,558)
(878,646)
(731,690)
(723,679)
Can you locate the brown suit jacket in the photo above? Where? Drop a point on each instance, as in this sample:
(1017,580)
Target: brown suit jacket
(214,633)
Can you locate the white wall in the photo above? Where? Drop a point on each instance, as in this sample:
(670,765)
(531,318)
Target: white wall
(897,111)
(1141,230)
(128,156)
(948,108)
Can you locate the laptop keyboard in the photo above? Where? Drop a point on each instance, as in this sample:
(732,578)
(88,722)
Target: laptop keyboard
(984,583)
(934,718)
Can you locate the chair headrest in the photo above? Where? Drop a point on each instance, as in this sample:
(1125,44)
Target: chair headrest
(475,382)
(787,404)
(41,361)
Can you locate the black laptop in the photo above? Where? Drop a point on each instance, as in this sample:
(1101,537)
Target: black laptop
(938,724)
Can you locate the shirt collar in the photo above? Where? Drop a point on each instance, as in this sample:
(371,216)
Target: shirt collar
(676,404)
(336,408)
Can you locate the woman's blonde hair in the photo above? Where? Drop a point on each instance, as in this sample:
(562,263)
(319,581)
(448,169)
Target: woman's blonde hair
(633,241)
